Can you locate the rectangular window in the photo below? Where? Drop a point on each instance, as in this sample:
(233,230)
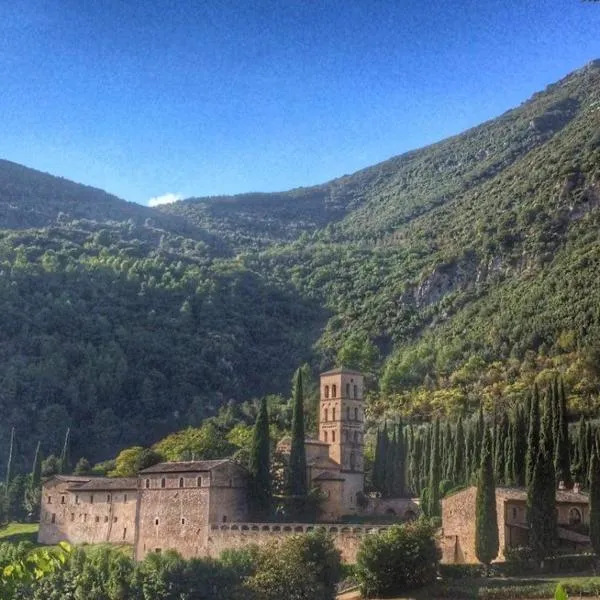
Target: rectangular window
(76,499)
(108,498)
(72,516)
(124,498)
(54,517)
(62,499)
(91,498)
(49,500)
(124,532)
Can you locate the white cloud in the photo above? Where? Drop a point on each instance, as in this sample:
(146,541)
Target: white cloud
(164,199)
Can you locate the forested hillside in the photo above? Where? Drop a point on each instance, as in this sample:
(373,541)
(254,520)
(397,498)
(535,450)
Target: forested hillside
(455,274)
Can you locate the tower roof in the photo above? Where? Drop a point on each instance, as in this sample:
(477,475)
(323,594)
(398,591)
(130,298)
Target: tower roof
(342,371)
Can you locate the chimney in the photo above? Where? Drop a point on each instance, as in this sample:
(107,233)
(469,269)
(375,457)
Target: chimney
(576,488)
(561,485)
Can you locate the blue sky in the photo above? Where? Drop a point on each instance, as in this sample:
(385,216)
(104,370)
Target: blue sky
(203,97)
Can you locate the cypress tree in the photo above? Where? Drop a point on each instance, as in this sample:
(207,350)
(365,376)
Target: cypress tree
(434,508)
(501,435)
(448,452)
(391,466)
(582,462)
(376,469)
(519,445)
(259,465)
(478,440)
(589,448)
(468,450)
(533,436)
(9,462)
(401,460)
(426,461)
(458,469)
(555,403)
(562,460)
(297,470)
(486,519)
(595,503)
(36,470)
(541,492)
(65,457)
(509,476)
(412,471)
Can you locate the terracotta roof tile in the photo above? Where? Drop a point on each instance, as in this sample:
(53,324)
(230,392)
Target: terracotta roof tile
(187,466)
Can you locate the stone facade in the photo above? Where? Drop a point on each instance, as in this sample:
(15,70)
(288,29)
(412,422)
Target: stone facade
(88,510)
(200,508)
(458,522)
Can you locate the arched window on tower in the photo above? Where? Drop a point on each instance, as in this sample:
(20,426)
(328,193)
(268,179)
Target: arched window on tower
(347,413)
(324,436)
(333,437)
(355,414)
(348,390)
(326,391)
(334,391)
(333,411)
(356,391)
(345,435)
(326,415)
(356,437)
(352,461)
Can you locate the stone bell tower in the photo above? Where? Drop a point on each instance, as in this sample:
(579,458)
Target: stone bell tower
(342,417)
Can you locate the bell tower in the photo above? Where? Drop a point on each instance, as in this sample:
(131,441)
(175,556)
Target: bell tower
(342,417)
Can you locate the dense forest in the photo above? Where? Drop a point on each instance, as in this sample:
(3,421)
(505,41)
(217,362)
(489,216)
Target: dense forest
(455,275)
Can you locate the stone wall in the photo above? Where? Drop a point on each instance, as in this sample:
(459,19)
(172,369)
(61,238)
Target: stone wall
(171,517)
(347,538)
(86,517)
(458,527)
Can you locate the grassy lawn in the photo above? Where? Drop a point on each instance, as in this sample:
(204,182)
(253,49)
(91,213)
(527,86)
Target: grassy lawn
(19,532)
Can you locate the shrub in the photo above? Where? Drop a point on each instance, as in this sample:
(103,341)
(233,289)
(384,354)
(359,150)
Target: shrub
(560,594)
(302,567)
(402,558)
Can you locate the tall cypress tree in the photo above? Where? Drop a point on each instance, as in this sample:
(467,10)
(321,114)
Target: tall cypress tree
(589,448)
(261,497)
(297,471)
(519,445)
(391,465)
(434,508)
(582,462)
(487,541)
(595,503)
(501,435)
(458,469)
(541,492)
(468,450)
(509,475)
(562,459)
(478,440)
(533,436)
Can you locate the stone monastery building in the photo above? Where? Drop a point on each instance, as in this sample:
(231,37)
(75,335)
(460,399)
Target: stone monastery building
(200,508)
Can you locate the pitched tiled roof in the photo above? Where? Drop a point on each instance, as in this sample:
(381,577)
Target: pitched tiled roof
(186,466)
(561,495)
(510,493)
(106,483)
(340,371)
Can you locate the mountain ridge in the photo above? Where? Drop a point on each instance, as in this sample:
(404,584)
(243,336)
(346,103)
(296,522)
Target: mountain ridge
(456,274)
